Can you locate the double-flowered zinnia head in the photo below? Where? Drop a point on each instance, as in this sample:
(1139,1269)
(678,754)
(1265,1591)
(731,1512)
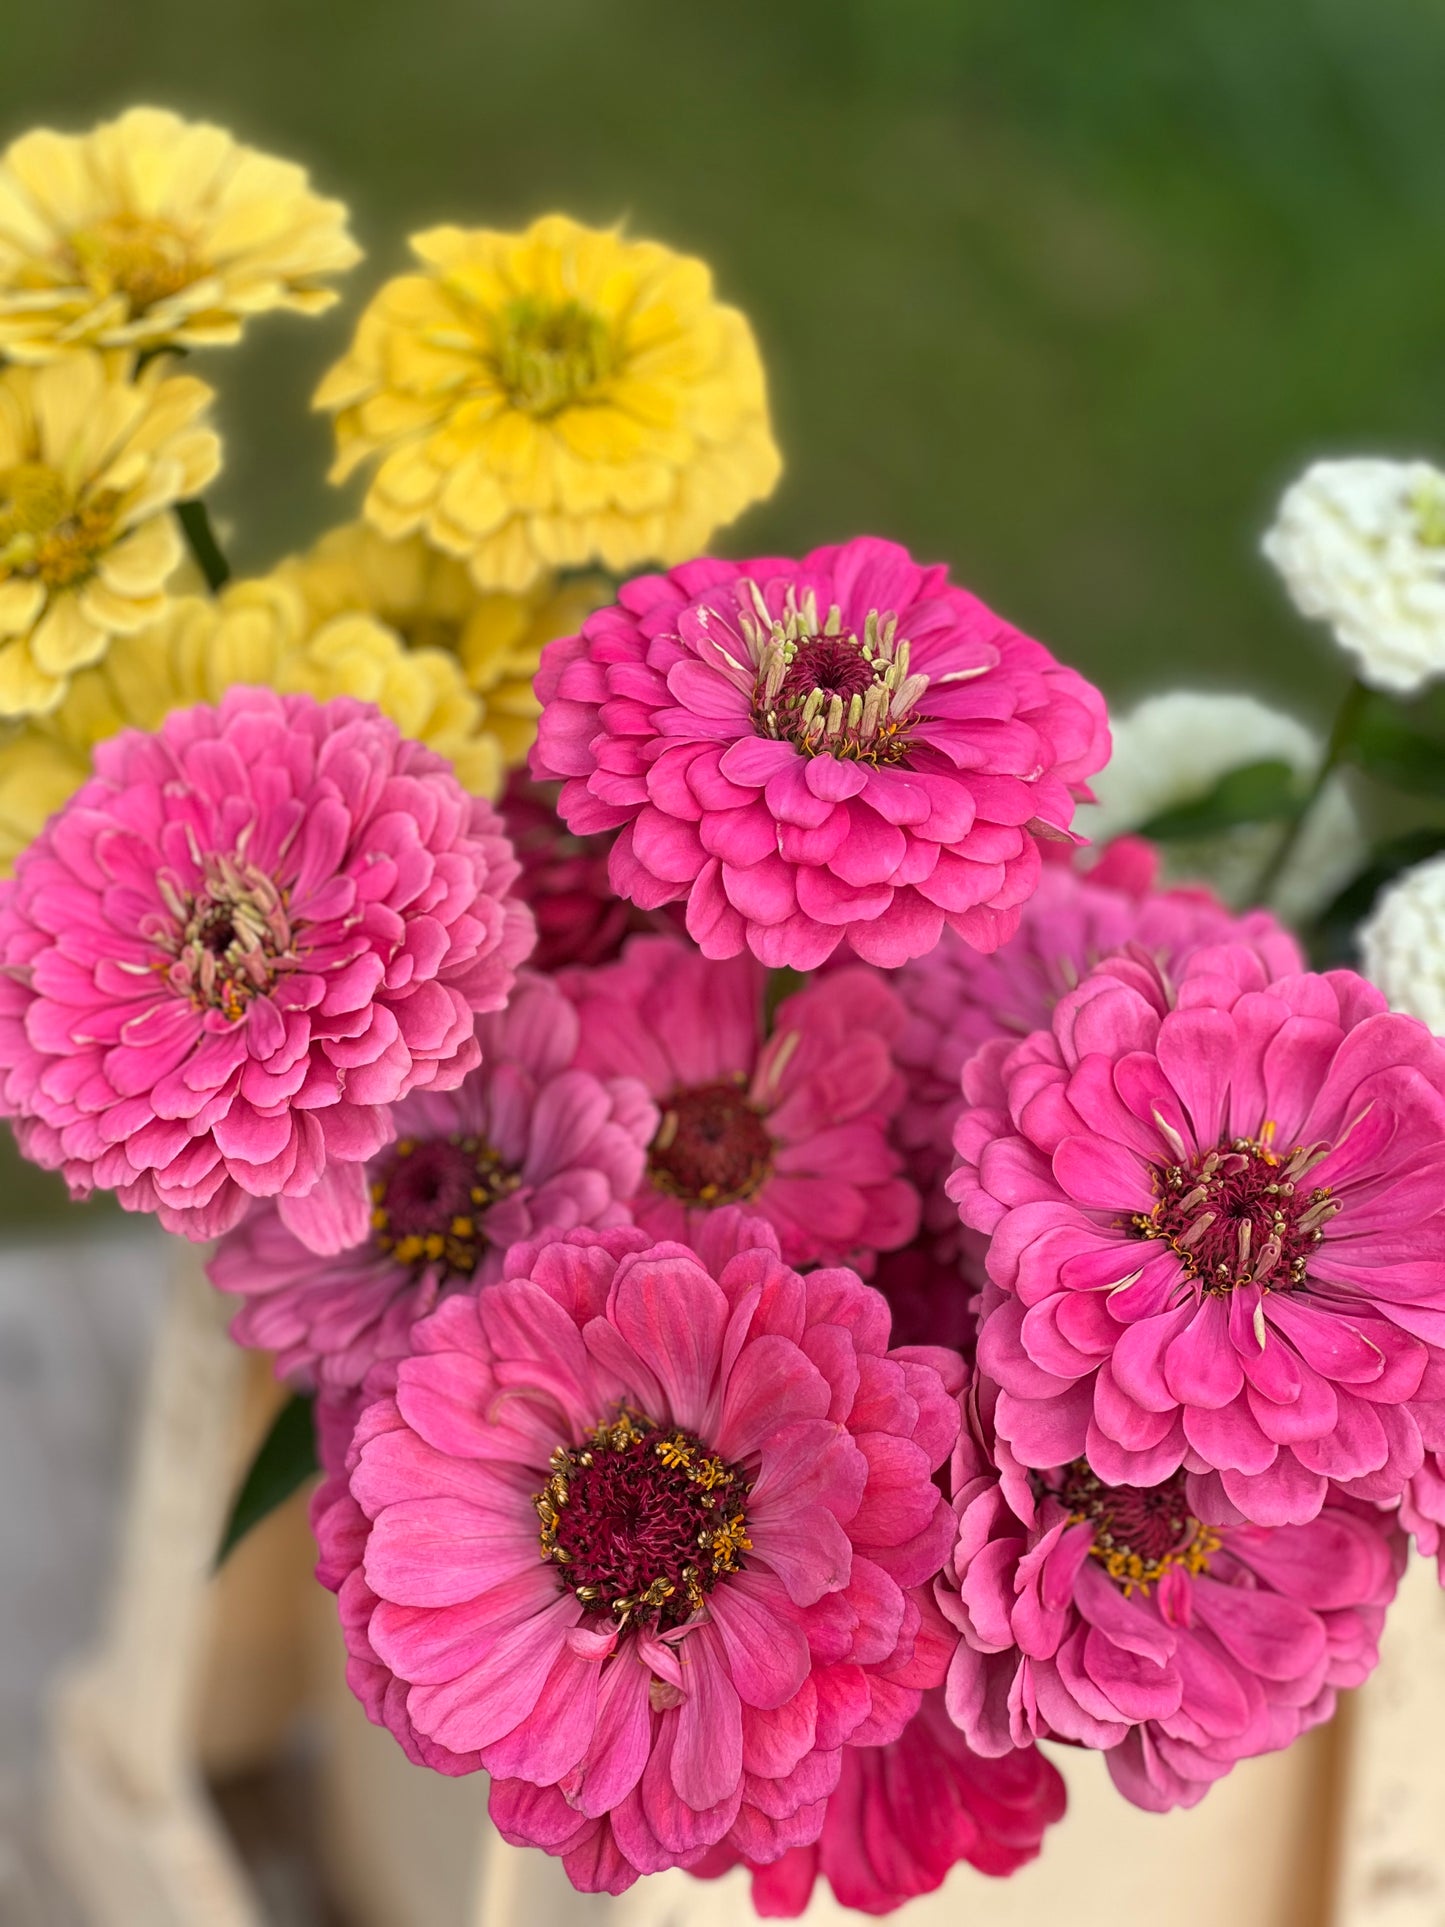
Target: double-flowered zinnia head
(1216,1218)
(843,748)
(646,1532)
(155,232)
(551,399)
(1108,1615)
(236,947)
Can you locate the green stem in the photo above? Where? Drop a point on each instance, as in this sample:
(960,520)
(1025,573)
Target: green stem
(196,526)
(1347,718)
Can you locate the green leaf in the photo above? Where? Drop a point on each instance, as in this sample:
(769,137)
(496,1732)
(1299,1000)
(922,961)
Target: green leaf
(1333,940)
(1267,792)
(285,1460)
(1392,750)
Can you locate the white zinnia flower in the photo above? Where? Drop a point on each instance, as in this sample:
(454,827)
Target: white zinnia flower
(1173,749)
(1402,947)
(1361,545)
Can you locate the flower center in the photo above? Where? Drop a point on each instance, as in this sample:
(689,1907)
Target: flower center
(551,353)
(1140,1532)
(145,260)
(226,943)
(827,689)
(427,1201)
(1240,1215)
(45,533)
(643,1521)
(711,1147)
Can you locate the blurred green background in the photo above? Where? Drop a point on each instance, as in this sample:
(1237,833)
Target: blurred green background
(1062,291)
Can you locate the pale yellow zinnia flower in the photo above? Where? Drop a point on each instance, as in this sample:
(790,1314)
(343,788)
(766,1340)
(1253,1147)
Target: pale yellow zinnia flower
(92,459)
(152,231)
(255,632)
(432,602)
(552,399)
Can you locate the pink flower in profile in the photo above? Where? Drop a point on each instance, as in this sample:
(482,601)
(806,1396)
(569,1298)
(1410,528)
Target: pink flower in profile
(1110,1616)
(958,998)
(1217,1217)
(843,748)
(526,1143)
(905,1814)
(237,945)
(647,1534)
(792,1122)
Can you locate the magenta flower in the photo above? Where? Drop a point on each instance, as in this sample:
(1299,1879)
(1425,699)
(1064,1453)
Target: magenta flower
(1109,1616)
(524,1144)
(842,747)
(1217,1217)
(958,999)
(647,1535)
(247,936)
(904,1815)
(792,1123)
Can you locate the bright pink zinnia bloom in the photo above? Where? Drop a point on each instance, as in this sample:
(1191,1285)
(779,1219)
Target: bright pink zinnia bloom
(240,942)
(958,999)
(842,747)
(1108,1615)
(904,1815)
(792,1122)
(648,1535)
(1217,1216)
(526,1143)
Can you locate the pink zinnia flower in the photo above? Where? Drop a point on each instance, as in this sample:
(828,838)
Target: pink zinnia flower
(842,747)
(235,947)
(1217,1216)
(526,1143)
(904,1815)
(792,1122)
(647,1535)
(1108,1615)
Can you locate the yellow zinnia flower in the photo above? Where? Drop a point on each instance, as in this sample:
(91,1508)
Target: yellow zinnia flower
(91,462)
(256,632)
(151,231)
(551,399)
(432,602)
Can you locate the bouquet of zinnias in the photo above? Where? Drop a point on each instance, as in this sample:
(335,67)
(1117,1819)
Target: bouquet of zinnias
(813,1280)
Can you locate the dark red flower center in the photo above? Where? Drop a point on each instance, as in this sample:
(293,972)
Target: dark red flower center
(1242,1214)
(429,1199)
(642,1521)
(711,1147)
(834,664)
(1140,1532)
(824,686)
